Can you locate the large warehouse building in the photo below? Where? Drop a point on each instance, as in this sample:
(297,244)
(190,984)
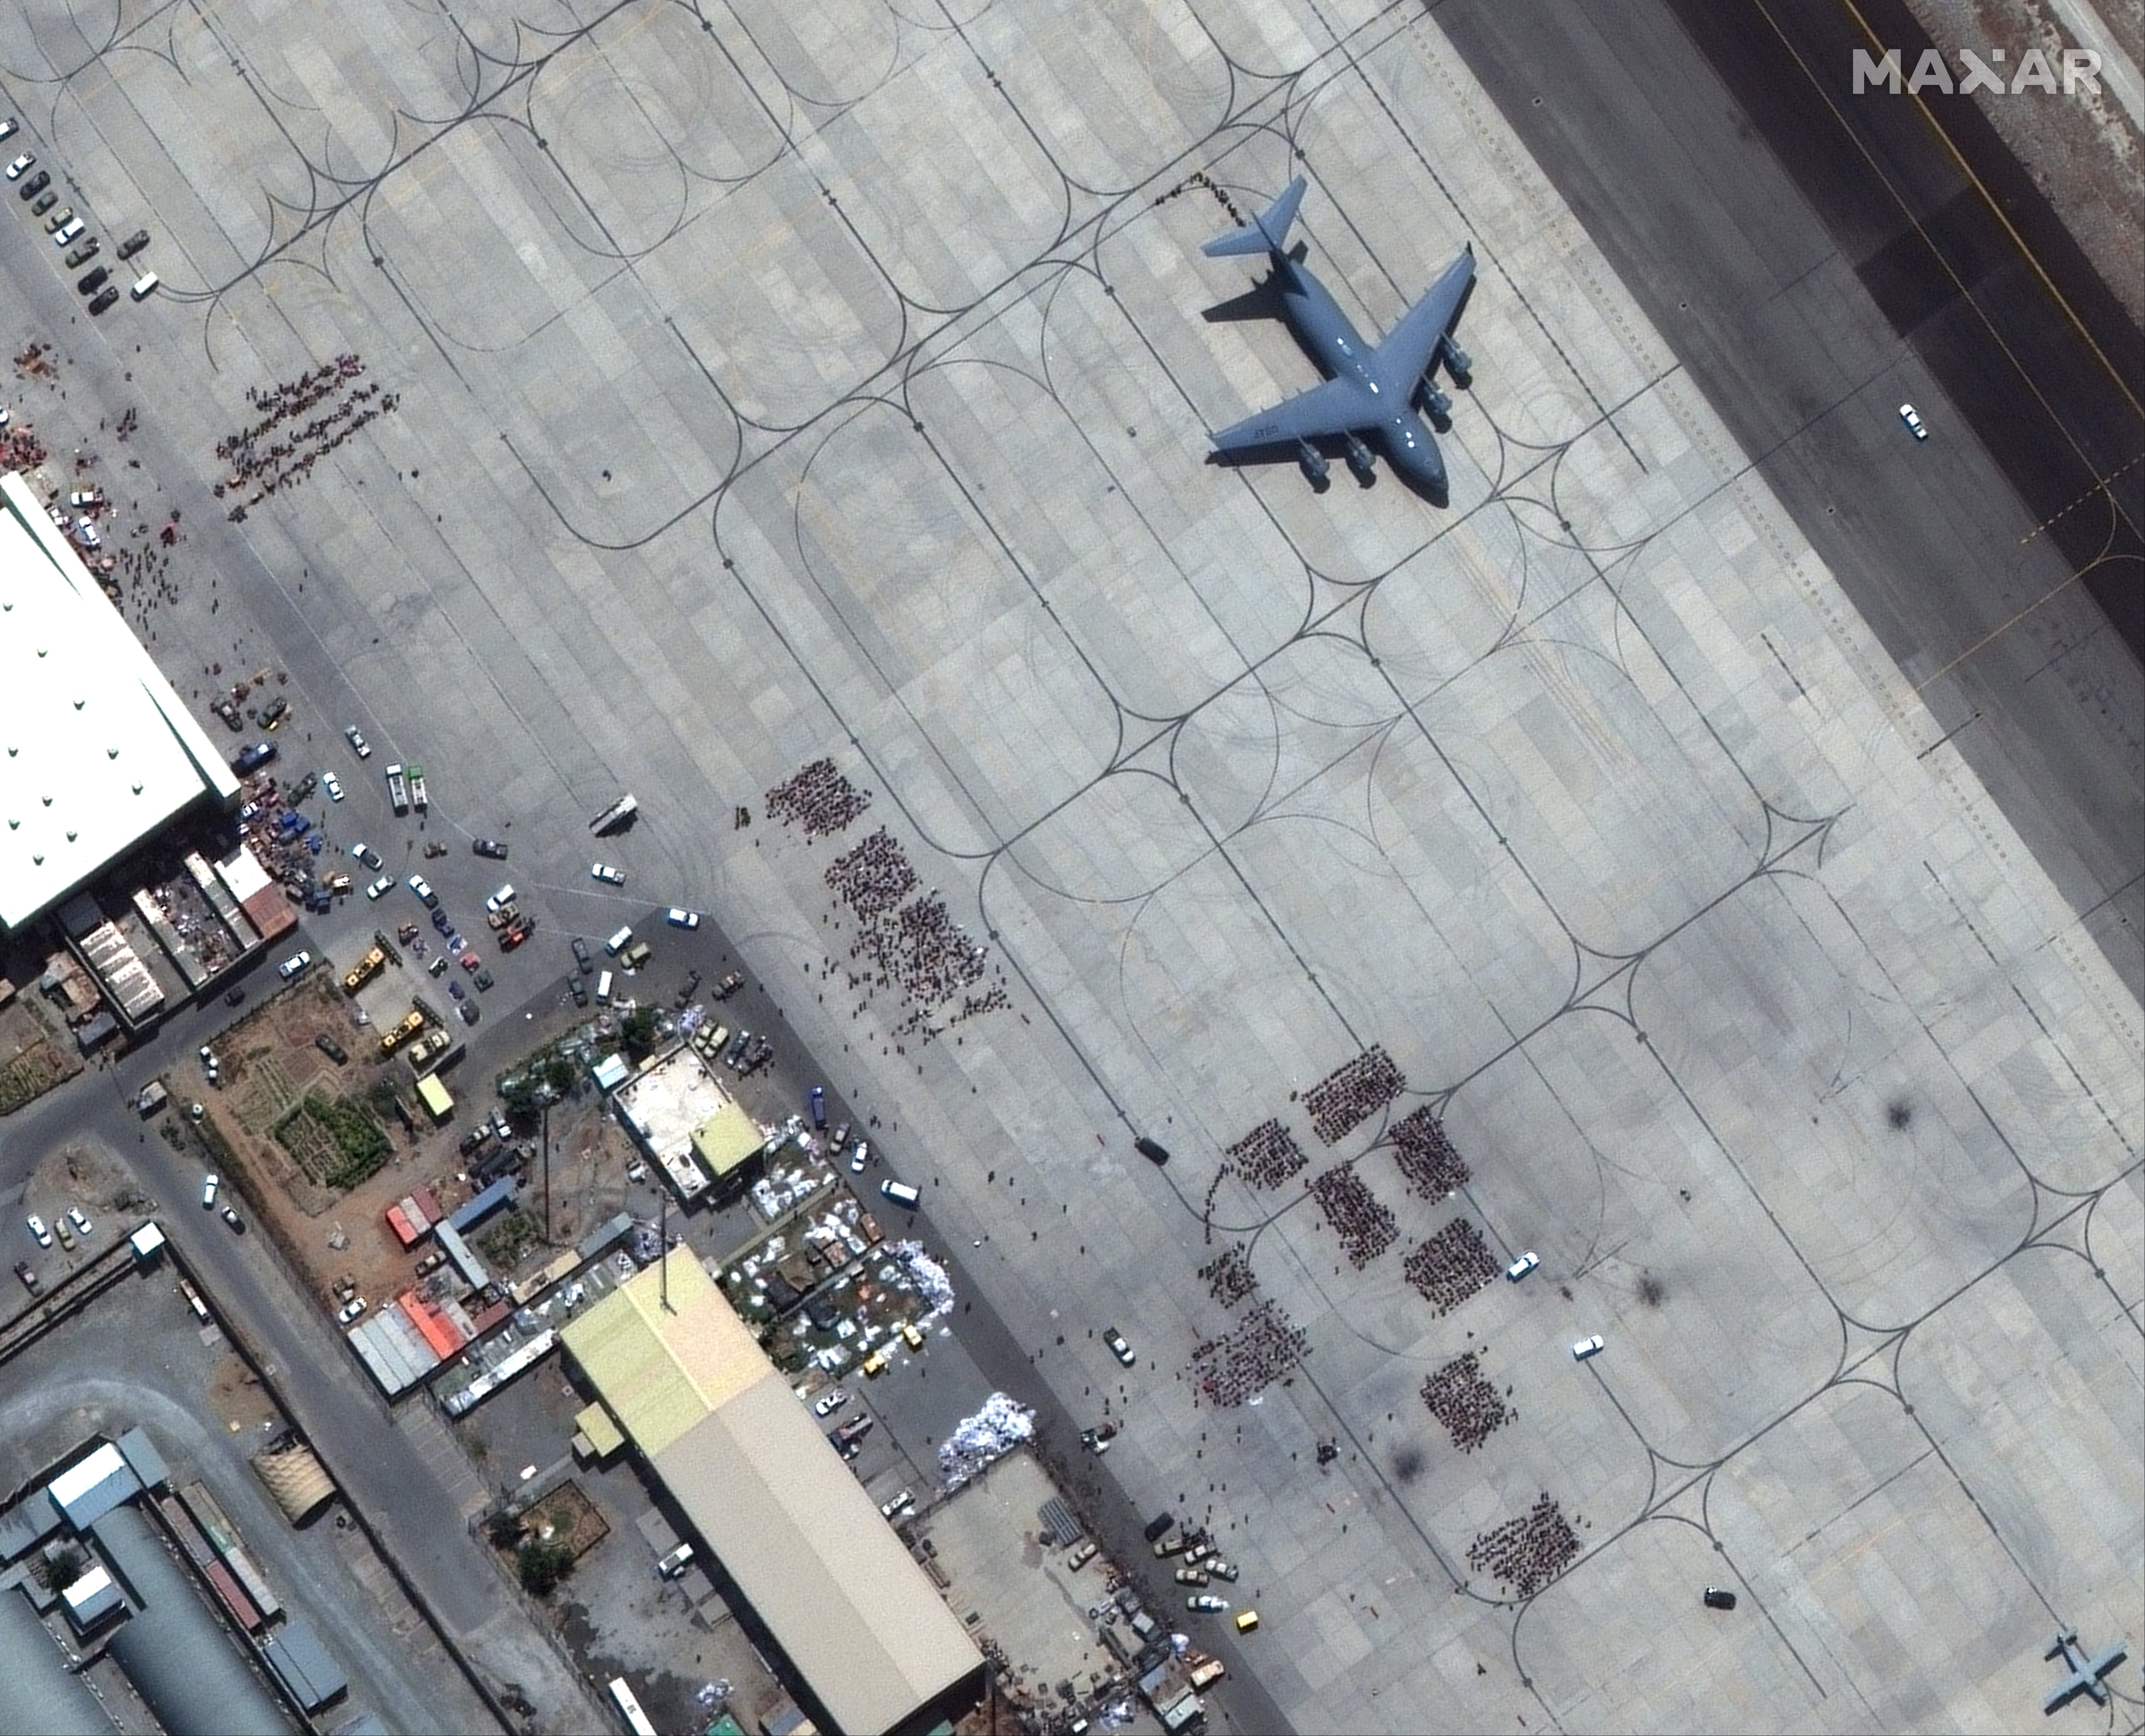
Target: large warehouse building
(790,1524)
(97,751)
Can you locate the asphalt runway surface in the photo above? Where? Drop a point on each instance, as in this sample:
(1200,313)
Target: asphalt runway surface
(1795,244)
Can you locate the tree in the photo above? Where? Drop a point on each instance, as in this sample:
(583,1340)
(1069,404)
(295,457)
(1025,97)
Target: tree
(544,1567)
(639,1029)
(504,1529)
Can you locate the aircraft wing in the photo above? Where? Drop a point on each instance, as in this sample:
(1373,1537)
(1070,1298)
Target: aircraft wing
(1405,355)
(1335,407)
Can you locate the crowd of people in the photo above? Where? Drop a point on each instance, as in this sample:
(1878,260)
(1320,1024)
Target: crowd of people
(1364,1224)
(1353,1092)
(1432,1168)
(1229,1275)
(1268,1155)
(271,464)
(1527,1553)
(906,940)
(820,798)
(1450,1266)
(874,877)
(1469,1406)
(1261,1348)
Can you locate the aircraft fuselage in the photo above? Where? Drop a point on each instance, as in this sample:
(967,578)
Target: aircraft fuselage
(1326,332)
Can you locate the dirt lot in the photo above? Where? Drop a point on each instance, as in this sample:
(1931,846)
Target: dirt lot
(290,1122)
(35,1055)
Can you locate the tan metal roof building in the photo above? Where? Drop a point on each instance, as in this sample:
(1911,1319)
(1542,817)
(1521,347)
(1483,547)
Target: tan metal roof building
(787,1519)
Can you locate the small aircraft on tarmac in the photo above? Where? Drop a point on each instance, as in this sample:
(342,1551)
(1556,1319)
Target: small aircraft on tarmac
(1384,392)
(2085,1674)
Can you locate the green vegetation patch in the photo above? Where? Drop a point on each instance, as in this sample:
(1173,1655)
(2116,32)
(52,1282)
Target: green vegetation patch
(335,1141)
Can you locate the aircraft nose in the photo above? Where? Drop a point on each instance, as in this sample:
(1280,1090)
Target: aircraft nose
(1417,462)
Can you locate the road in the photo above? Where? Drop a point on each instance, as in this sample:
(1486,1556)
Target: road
(415,1495)
(1816,260)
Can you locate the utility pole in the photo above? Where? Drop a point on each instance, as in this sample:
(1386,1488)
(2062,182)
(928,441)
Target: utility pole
(663,1245)
(545,1136)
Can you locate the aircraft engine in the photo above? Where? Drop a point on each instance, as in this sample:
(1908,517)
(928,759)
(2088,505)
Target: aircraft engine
(1435,405)
(1458,363)
(1361,460)
(1315,468)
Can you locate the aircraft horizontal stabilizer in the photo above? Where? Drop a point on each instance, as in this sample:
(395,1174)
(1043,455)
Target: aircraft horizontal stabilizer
(1265,233)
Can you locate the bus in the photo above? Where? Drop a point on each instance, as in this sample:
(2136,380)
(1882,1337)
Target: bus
(629,1708)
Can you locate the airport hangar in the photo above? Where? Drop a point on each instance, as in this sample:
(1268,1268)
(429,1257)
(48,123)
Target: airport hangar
(746,1465)
(100,751)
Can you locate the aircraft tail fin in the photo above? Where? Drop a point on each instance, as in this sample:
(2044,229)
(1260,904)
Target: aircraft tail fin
(1265,233)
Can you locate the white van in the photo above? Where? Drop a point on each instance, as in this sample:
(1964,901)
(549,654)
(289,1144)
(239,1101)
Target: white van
(618,941)
(603,989)
(901,1193)
(674,1564)
(144,286)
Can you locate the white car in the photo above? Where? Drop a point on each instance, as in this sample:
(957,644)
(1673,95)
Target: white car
(1586,1347)
(209,1186)
(1912,418)
(1207,1604)
(830,1403)
(358,744)
(332,784)
(604,872)
(1522,1267)
(1118,1348)
(82,1226)
(423,887)
(367,855)
(380,888)
(859,1157)
(8,127)
(291,966)
(38,1233)
(679,918)
(500,899)
(68,232)
(20,167)
(350,1311)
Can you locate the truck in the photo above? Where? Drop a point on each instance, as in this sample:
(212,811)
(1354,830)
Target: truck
(407,1027)
(153,1096)
(364,971)
(418,799)
(427,1054)
(398,789)
(614,814)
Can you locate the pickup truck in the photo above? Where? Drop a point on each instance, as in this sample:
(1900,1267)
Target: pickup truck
(398,789)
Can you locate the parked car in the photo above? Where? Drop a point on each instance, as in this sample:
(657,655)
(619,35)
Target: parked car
(578,988)
(1912,418)
(500,899)
(1207,1604)
(35,185)
(468,1012)
(15,169)
(209,1181)
(679,918)
(83,254)
(8,127)
(1717,1598)
(367,855)
(89,284)
(483,979)
(1118,1348)
(128,248)
(251,759)
(604,872)
(82,1226)
(59,219)
(380,888)
(333,1050)
(44,202)
(581,956)
(1522,1267)
(237,1223)
(38,1233)
(490,847)
(830,1401)
(27,1273)
(102,299)
(332,784)
(1586,1347)
(350,1311)
(423,887)
(291,966)
(1192,1576)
